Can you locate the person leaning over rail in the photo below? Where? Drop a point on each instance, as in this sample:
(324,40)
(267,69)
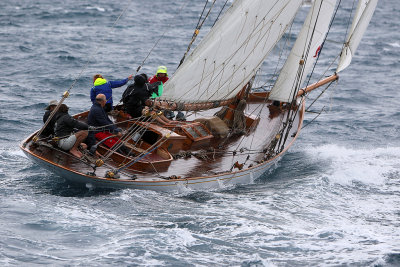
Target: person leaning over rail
(162,76)
(102,86)
(135,95)
(64,129)
(49,130)
(98,118)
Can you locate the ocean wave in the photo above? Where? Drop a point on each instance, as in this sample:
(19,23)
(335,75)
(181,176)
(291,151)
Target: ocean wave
(25,48)
(67,58)
(388,260)
(67,14)
(368,165)
(396,44)
(101,9)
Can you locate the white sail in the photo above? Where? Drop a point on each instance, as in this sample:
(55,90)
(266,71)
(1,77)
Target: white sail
(365,10)
(230,54)
(306,47)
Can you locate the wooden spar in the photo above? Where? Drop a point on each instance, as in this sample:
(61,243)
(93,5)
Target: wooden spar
(200,106)
(190,106)
(215,104)
(317,84)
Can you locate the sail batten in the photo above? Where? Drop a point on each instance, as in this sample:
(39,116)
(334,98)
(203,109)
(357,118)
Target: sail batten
(362,17)
(304,51)
(231,53)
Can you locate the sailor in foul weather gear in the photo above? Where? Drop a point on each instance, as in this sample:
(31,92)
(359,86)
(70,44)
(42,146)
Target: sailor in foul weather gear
(136,94)
(102,86)
(161,75)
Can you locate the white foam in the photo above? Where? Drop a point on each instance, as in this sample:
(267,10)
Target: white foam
(365,165)
(184,237)
(397,45)
(149,259)
(97,8)
(13,152)
(17,152)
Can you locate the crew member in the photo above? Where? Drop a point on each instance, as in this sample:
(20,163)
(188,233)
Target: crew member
(98,117)
(136,94)
(102,86)
(161,75)
(64,129)
(49,130)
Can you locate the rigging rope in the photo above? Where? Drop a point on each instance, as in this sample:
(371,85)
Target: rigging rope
(66,93)
(330,25)
(197,30)
(290,118)
(323,42)
(161,37)
(221,68)
(219,14)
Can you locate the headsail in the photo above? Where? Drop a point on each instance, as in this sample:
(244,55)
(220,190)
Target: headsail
(365,10)
(306,47)
(230,54)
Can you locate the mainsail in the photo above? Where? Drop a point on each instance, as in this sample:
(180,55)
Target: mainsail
(231,53)
(365,10)
(304,52)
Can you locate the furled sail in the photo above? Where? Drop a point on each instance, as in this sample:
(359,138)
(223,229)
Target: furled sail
(304,51)
(230,54)
(365,10)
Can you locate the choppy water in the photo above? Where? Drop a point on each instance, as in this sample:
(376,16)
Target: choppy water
(334,199)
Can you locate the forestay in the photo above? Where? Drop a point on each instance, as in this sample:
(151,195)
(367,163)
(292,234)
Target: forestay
(230,54)
(365,10)
(306,48)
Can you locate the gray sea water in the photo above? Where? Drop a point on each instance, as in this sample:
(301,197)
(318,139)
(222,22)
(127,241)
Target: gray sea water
(333,199)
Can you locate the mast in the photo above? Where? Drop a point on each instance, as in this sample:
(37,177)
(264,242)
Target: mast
(304,52)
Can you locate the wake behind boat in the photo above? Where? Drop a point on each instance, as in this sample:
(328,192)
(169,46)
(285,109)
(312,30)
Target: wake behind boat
(232,134)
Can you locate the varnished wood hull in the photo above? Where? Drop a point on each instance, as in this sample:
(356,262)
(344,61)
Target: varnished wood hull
(215,182)
(200,182)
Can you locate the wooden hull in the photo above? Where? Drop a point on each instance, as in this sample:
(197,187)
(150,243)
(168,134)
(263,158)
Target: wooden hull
(215,182)
(76,172)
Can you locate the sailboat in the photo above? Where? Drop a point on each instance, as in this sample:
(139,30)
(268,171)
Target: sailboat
(232,134)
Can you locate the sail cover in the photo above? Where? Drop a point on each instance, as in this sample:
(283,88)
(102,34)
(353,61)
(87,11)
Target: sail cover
(365,10)
(307,47)
(230,54)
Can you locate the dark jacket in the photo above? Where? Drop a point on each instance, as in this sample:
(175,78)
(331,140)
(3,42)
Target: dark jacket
(98,117)
(65,124)
(49,130)
(136,94)
(102,86)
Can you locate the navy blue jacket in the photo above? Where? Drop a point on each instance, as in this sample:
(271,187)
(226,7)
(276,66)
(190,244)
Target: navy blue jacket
(98,117)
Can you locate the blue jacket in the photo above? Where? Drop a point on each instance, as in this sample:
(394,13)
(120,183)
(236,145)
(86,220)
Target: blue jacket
(102,86)
(98,117)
